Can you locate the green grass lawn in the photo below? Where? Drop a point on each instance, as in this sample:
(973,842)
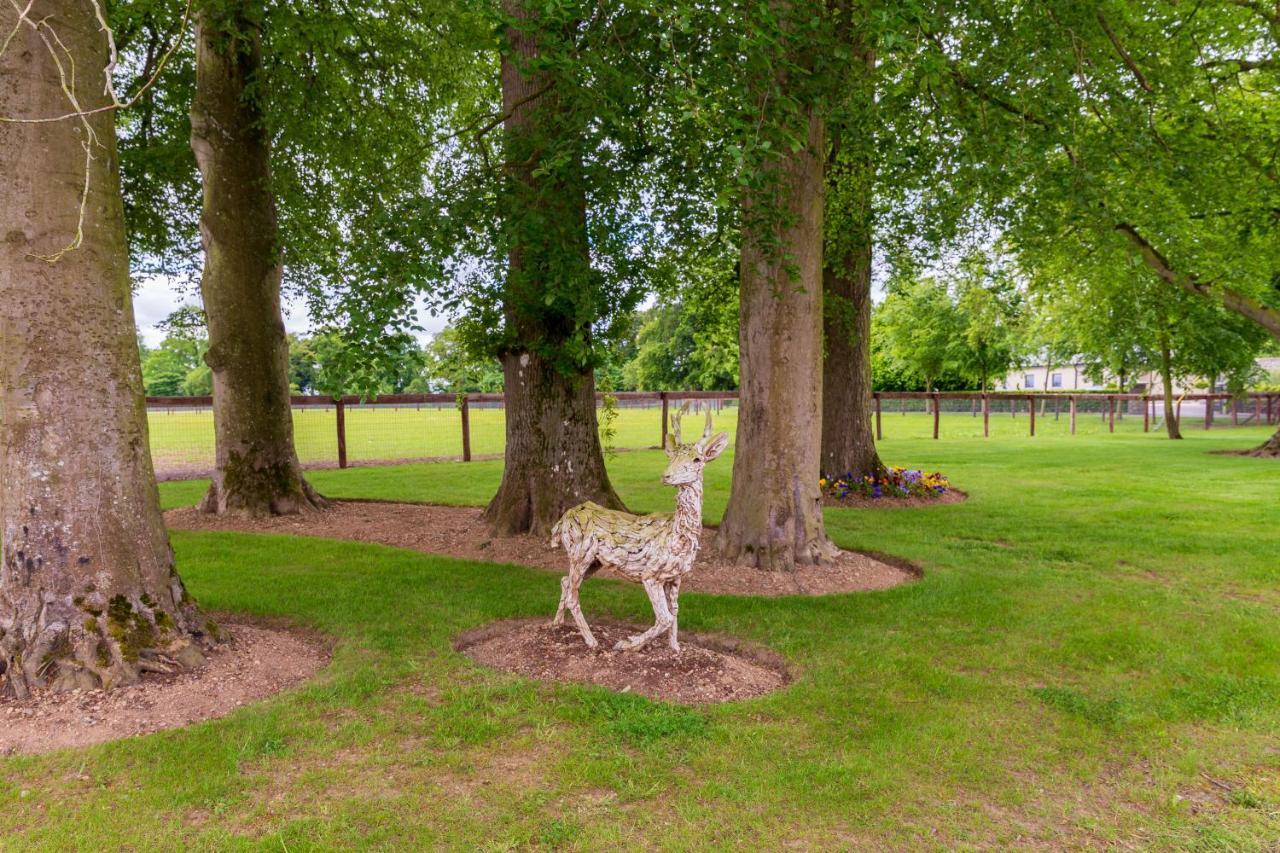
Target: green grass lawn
(1092,659)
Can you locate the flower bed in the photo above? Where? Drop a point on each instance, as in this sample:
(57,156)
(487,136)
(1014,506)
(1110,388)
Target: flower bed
(896,482)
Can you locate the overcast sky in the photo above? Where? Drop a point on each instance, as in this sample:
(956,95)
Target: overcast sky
(158,297)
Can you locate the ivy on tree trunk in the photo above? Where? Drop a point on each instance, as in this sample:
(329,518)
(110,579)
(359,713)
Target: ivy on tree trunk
(774,516)
(89,594)
(553,457)
(848,443)
(257,469)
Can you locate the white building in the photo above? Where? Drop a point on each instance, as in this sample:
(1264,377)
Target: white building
(1064,378)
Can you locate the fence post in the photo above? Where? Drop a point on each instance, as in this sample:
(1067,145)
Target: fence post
(936,413)
(986,415)
(879,431)
(1111,401)
(1268,410)
(1031,407)
(1073,414)
(465,411)
(341,408)
(663,396)
(1146,413)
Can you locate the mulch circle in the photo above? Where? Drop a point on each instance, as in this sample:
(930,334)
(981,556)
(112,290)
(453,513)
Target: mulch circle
(708,669)
(856,501)
(460,532)
(1253,452)
(256,661)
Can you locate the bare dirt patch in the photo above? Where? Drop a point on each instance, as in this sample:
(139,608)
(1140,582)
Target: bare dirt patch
(707,669)
(255,662)
(853,501)
(460,532)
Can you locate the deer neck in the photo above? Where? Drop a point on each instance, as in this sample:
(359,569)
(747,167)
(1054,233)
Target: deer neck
(688,515)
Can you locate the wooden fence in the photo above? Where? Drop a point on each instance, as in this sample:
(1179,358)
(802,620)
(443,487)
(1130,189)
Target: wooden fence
(1260,408)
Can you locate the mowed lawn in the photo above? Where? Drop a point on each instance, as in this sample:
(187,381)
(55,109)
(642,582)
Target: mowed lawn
(1092,659)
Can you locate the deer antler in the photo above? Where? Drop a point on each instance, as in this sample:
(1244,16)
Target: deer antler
(675,420)
(706,433)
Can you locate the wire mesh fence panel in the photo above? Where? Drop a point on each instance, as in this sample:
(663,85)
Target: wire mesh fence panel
(488,429)
(181,440)
(315,434)
(394,433)
(431,427)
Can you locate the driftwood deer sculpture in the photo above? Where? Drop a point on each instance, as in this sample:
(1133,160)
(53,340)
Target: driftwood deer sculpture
(656,550)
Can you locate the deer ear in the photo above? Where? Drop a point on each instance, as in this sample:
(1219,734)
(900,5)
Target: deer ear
(670,446)
(715,446)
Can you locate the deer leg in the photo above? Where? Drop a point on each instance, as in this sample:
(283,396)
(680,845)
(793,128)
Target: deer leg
(672,589)
(658,598)
(564,600)
(575,581)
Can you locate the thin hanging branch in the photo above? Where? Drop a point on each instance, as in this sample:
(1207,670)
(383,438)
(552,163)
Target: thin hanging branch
(108,72)
(67,81)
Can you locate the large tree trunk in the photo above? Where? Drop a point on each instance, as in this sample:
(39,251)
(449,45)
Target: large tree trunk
(848,443)
(553,455)
(89,595)
(774,516)
(257,470)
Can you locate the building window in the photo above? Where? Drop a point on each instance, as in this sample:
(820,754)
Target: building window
(1029,380)
(1057,380)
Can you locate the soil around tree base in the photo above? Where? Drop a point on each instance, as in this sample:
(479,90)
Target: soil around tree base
(254,663)
(461,532)
(857,501)
(1253,452)
(707,669)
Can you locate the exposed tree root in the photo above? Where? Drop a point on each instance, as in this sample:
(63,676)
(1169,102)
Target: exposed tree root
(90,642)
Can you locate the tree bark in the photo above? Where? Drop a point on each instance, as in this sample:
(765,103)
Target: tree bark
(553,457)
(848,442)
(774,517)
(89,595)
(257,470)
(1172,427)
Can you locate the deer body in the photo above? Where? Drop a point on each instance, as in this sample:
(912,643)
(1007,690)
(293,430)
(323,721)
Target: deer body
(656,550)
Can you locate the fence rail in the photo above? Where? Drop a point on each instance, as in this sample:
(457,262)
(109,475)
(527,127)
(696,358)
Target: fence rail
(341,431)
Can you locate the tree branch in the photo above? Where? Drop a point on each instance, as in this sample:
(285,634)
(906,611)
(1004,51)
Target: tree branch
(1232,300)
(1124,54)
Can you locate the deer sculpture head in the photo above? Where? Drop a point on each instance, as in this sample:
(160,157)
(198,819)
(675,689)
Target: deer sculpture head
(688,460)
